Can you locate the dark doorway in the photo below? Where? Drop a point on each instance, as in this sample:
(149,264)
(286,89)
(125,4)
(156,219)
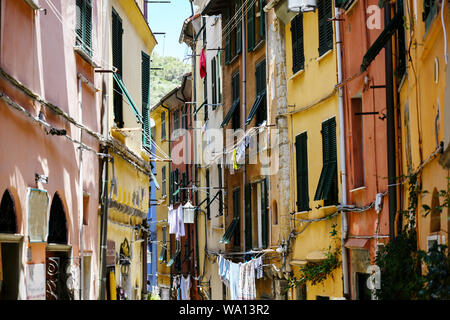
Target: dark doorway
(57,228)
(363,293)
(10,270)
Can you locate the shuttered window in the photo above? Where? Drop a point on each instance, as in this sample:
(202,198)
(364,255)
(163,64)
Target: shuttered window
(248,217)
(251,28)
(238,18)
(327,188)
(213,83)
(301,157)
(163,125)
(163,184)
(298,55)
(219,171)
(228,56)
(325,8)
(264,214)
(429,12)
(208,208)
(260,75)
(176,121)
(237,215)
(117,63)
(83,27)
(236,92)
(145,86)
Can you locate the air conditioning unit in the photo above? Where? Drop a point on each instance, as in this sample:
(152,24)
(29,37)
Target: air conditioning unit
(301,5)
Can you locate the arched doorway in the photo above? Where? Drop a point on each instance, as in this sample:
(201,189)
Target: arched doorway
(58,254)
(9,250)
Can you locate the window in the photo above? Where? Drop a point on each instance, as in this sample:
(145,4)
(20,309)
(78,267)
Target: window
(429,12)
(227,36)
(248,217)
(163,184)
(163,125)
(208,190)
(83,27)
(145,86)
(327,188)
(255,24)
(298,55)
(175,186)
(117,63)
(435,217)
(325,26)
(236,92)
(301,156)
(214,83)
(237,214)
(176,122)
(219,171)
(260,75)
(357,142)
(205,97)
(238,37)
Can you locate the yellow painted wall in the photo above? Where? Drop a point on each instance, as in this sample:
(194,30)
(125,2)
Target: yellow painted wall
(162,208)
(422,91)
(304,90)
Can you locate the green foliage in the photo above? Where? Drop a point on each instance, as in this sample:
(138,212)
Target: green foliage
(318,272)
(406,272)
(162,81)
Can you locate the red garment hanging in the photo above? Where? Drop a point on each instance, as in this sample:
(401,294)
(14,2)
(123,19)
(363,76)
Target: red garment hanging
(202,64)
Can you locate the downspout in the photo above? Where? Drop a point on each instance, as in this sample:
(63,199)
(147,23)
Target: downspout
(390,115)
(80,191)
(342,154)
(104,220)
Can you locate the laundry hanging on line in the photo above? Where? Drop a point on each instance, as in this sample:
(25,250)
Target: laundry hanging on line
(175,219)
(240,277)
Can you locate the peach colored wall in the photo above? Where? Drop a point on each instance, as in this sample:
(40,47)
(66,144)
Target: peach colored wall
(356,42)
(37,50)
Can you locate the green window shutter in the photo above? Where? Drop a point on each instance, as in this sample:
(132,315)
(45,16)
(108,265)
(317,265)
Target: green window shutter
(145,88)
(117,63)
(227,37)
(302,172)
(248,217)
(214,83)
(327,188)
(83,26)
(260,75)
(163,125)
(298,56)
(236,93)
(325,8)
(238,27)
(250,28)
(264,214)
(208,209)
(237,215)
(262,26)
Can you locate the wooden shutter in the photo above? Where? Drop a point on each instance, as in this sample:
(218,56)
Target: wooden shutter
(302,172)
(238,19)
(298,56)
(163,125)
(248,217)
(145,87)
(227,37)
(250,28)
(83,26)
(264,214)
(208,209)
(325,26)
(214,83)
(237,214)
(262,28)
(117,62)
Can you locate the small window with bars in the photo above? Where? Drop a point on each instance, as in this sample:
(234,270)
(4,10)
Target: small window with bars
(83,26)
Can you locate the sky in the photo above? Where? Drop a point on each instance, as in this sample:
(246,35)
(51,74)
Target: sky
(169,18)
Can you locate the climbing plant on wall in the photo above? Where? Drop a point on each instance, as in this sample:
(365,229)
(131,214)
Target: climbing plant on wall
(407,272)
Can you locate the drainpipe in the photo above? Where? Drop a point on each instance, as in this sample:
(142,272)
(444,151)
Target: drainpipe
(344,226)
(80,191)
(104,220)
(390,118)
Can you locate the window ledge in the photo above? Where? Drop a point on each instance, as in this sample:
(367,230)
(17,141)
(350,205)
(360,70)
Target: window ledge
(85,56)
(33,4)
(326,54)
(297,74)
